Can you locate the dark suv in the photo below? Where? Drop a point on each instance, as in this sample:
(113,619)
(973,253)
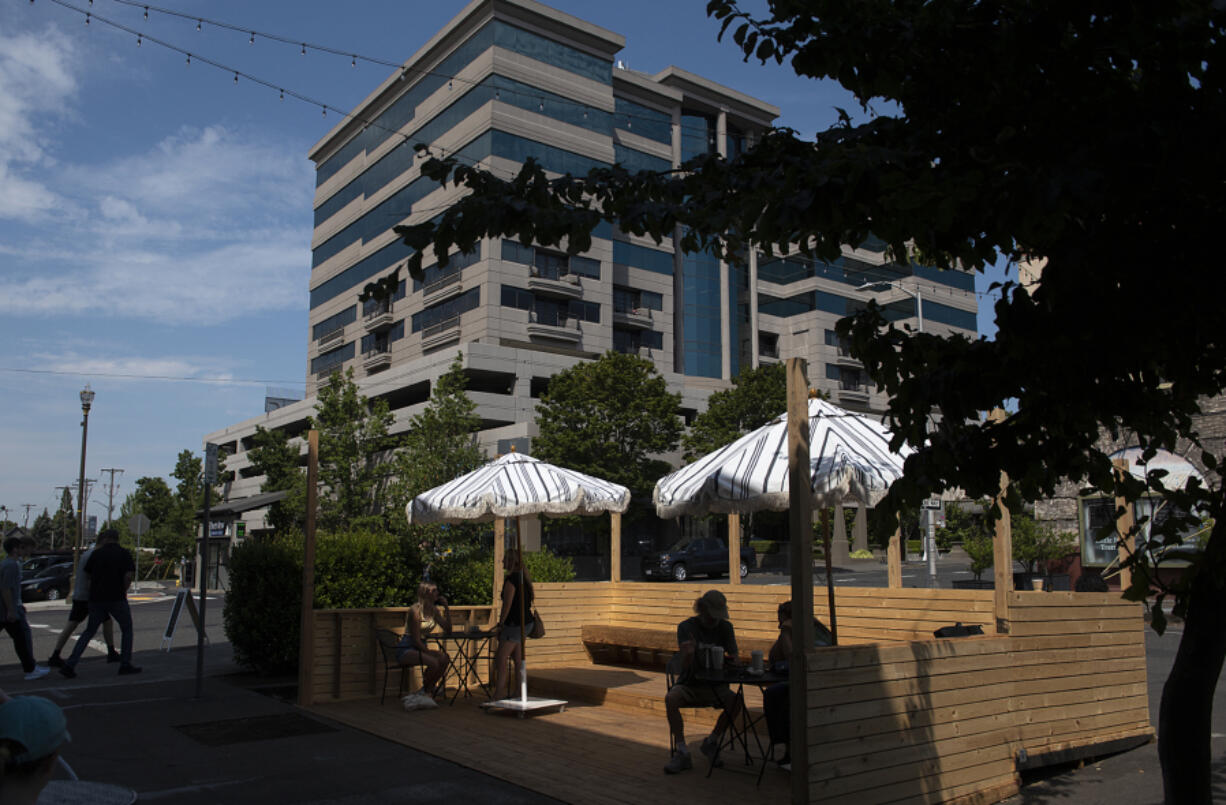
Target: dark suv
(48,584)
(691,556)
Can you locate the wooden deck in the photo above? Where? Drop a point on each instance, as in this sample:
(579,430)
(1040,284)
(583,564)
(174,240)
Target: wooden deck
(609,753)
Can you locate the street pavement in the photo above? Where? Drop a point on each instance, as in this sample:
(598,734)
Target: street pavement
(243,740)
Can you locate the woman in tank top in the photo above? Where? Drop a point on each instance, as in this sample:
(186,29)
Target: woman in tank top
(430,614)
(514,601)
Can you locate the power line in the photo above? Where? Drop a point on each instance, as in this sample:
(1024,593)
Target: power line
(132,376)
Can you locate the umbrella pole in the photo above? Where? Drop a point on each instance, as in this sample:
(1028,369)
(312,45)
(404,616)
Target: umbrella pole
(523,606)
(834,623)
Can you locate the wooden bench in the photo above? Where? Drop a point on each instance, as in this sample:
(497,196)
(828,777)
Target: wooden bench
(651,647)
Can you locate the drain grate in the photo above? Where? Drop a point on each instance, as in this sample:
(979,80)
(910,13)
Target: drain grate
(255,728)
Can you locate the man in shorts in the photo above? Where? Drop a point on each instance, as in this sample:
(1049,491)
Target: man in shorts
(78,614)
(709,627)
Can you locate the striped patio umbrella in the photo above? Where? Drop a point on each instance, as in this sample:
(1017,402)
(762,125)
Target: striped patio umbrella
(849,458)
(516,485)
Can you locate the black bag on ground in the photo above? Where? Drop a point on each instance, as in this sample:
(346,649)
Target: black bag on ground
(958,630)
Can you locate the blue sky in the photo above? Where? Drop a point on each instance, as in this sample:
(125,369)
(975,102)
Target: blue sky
(155,216)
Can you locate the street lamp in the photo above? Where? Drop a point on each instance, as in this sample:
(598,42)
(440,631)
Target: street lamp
(87,399)
(881,285)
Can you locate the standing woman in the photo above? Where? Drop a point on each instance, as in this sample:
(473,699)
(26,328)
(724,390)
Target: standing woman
(514,602)
(422,619)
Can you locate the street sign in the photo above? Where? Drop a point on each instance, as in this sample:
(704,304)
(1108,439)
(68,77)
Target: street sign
(138,524)
(210,463)
(933,504)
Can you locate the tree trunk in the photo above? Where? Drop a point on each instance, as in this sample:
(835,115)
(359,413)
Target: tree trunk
(1184,720)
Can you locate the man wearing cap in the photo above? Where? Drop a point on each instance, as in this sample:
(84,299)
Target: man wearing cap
(709,627)
(32,730)
(111,571)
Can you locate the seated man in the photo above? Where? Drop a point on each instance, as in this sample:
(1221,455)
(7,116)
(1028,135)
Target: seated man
(709,626)
(775,697)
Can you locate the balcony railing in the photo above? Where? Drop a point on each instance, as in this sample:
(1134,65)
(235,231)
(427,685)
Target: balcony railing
(442,282)
(330,336)
(378,316)
(441,327)
(634,316)
(551,281)
(553,326)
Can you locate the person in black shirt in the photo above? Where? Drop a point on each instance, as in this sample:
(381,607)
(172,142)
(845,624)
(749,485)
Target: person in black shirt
(111,571)
(709,627)
(514,601)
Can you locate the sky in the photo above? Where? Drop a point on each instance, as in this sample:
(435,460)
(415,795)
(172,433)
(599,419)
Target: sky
(155,214)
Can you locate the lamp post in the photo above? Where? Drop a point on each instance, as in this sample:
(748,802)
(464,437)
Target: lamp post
(87,399)
(930,546)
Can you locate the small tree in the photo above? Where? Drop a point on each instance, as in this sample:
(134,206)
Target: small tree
(607,418)
(277,460)
(353,449)
(756,397)
(1034,544)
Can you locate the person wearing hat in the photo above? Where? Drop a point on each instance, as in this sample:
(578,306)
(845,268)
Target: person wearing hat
(709,627)
(32,730)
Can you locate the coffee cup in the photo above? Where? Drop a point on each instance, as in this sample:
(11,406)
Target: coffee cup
(717,658)
(756,661)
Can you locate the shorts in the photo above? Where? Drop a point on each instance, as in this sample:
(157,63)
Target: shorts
(80,612)
(510,632)
(704,695)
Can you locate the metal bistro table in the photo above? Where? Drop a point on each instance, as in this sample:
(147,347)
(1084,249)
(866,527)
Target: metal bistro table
(465,650)
(743,726)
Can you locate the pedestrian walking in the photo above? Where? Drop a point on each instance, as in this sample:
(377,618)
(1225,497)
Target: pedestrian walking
(79,613)
(12,613)
(111,571)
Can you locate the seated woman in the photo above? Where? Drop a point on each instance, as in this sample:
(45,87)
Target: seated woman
(514,602)
(423,618)
(775,697)
(32,729)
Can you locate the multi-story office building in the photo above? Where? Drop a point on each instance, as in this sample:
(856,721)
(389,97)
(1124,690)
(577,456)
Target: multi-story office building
(511,79)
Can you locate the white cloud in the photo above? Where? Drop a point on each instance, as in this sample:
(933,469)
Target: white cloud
(37,82)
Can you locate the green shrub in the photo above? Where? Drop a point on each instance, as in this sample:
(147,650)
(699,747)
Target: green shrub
(914,546)
(861,555)
(546,566)
(979,548)
(355,570)
(470,579)
(263,606)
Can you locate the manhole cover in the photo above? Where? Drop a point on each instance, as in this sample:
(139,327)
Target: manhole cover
(256,728)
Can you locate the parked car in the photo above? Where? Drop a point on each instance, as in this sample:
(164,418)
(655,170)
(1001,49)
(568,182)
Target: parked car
(50,583)
(36,564)
(691,556)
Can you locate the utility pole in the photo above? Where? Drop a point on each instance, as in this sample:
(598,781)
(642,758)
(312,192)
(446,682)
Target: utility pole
(110,495)
(27,507)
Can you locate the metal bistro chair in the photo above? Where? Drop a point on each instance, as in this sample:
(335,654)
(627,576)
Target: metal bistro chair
(387,644)
(671,670)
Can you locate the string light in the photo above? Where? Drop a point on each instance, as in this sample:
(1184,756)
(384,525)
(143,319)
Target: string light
(282,94)
(353,61)
(304,48)
(87,19)
(199,23)
(236,78)
(146,12)
(189,60)
(325,111)
(252,40)
(138,40)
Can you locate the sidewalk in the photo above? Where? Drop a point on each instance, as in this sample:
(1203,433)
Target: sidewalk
(241,743)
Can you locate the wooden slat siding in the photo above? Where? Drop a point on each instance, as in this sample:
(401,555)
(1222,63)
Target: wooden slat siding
(943,719)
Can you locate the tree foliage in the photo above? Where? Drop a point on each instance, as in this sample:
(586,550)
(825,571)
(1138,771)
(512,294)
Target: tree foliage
(1086,135)
(277,459)
(757,396)
(353,452)
(607,418)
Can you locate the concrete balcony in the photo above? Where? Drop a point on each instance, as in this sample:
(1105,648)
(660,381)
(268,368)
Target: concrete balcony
(637,317)
(443,287)
(444,332)
(567,286)
(379,318)
(558,329)
(328,339)
(377,358)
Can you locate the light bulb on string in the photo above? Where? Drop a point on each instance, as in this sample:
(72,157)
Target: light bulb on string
(138,38)
(87,19)
(282,94)
(198,24)
(324,109)
(189,60)
(146,12)
(304,48)
(252,40)
(236,78)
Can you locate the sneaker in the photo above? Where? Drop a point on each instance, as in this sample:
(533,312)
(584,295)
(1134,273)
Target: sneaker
(67,672)
(415,701)
(112,655)
(128,668)
(54,661)
(38,673)
(679,762)
(710,748)
(428,703)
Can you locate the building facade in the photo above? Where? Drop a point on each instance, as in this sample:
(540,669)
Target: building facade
(511,79)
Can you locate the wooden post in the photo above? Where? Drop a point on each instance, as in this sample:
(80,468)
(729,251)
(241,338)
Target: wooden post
(834,621)
(894,559)
(500,548)
(1124,525)
(615,547)
(734,549)
(1002,559)
(800,526)
(306,628)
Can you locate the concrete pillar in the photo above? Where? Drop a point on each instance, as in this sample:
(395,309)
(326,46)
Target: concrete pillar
(839,549)
(859,540)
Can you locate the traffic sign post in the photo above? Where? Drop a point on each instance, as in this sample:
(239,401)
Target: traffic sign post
(931,507)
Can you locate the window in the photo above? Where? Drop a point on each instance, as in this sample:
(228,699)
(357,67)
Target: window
(626,300)
(768,344)
(643,121)
(849,378)
(448,309)
(333,359)
(549,265)
(629,341)
(1099,547)
(645,257)
(697,135)
(334,323)
(550,311)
